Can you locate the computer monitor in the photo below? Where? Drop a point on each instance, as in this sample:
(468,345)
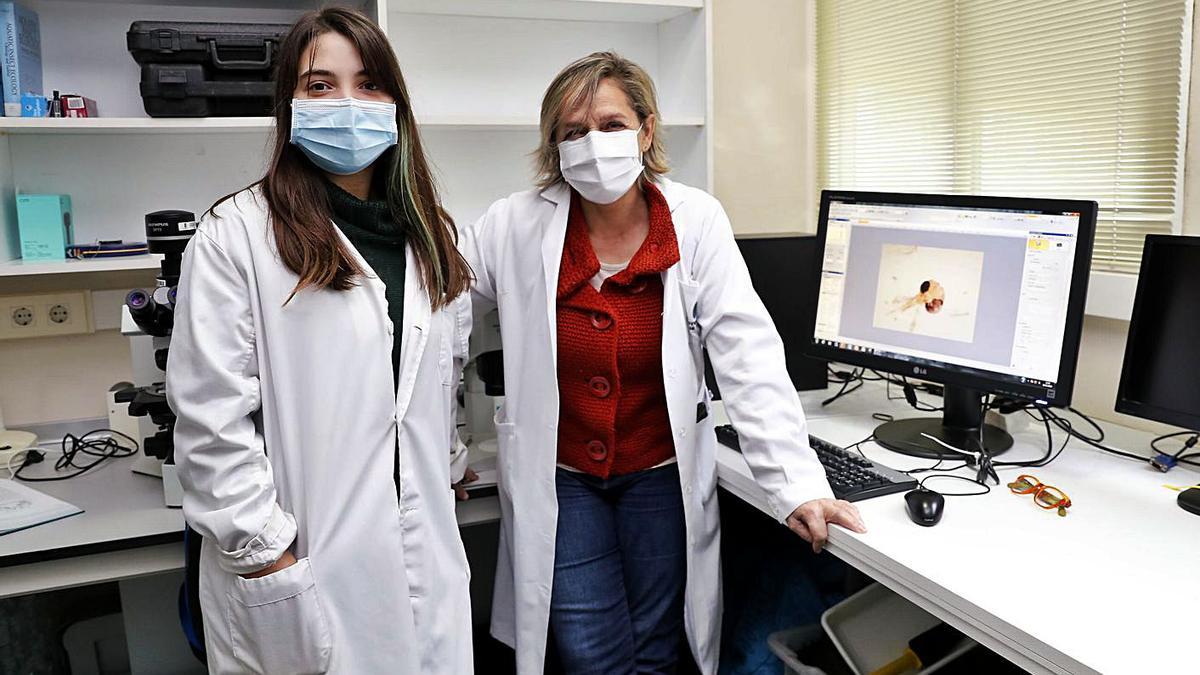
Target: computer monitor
(1160,378)
(981,294)
(773,262)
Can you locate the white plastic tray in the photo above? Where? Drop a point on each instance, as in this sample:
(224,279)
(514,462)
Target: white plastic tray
(872,628)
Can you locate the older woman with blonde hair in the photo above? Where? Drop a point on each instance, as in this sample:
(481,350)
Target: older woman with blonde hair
(610,280)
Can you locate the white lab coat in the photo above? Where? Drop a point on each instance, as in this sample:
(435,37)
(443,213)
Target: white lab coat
(515,250)
(287,437)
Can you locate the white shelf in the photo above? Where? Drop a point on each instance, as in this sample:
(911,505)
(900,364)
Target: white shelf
(209,125)
(132,125)
(20,268)
(633,11)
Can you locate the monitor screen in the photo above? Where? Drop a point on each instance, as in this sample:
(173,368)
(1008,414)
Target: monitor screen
(1159,379)
(974,291)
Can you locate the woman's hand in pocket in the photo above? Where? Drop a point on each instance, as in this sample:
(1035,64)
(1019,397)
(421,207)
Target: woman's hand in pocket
(285,561)
(460,488)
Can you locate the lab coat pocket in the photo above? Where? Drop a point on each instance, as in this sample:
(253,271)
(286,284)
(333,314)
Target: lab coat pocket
(689,293)
(277,624)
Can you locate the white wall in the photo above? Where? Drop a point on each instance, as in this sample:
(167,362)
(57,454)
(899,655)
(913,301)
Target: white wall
(64,378)
(764,129)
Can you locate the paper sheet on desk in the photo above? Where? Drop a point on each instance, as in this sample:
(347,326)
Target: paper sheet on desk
(23,507)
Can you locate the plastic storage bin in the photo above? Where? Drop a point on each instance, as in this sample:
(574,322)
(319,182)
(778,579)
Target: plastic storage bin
(807,651)
(194,69)
(872,628)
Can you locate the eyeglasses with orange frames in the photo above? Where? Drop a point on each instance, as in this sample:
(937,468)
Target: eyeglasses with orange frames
(1046,496)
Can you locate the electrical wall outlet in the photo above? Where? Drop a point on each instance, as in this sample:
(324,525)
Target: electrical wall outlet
(31,316)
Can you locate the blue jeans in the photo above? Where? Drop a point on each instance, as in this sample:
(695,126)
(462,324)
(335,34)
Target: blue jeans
(620,565)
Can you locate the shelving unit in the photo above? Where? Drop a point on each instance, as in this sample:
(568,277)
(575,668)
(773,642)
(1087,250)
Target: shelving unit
(476,70)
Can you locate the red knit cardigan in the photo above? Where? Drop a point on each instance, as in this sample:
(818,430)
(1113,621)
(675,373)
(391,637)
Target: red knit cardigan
(613,404)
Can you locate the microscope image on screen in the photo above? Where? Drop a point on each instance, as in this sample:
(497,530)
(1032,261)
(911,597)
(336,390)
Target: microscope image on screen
(932,295)
(926,290)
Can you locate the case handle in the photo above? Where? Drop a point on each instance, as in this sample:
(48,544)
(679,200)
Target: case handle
(217,61)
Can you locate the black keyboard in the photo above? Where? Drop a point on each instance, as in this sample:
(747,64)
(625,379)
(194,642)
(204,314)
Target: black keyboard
(852,476)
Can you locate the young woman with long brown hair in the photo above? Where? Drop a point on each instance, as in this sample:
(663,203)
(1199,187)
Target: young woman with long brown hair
(318,337)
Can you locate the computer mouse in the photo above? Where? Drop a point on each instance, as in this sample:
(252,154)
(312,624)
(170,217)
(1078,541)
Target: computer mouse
(1189,500)
(924,506)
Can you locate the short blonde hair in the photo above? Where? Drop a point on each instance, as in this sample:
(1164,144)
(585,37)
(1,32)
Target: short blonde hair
(576,85)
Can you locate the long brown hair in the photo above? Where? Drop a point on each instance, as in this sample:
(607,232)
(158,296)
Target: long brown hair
(294,188)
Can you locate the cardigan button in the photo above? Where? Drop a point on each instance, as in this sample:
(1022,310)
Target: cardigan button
(600,386)
(597,450)
(638,287)
(601,321)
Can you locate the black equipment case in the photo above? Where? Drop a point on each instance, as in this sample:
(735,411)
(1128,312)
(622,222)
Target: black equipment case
(192,69)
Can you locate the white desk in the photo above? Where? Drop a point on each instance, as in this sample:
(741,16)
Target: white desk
(126,535)
(1106,589)
(124,532)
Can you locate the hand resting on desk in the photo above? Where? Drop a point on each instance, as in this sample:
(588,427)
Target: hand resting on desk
(810,519)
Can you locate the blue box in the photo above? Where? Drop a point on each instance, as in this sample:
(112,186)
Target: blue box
(34,105)
(44,222)
(21,58)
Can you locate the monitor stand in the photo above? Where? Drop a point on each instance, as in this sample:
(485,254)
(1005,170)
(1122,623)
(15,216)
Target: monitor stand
(962,419)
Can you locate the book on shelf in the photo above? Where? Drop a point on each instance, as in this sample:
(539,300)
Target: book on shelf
(21,58)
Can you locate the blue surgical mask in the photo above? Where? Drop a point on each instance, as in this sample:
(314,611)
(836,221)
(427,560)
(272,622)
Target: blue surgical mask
(343,136)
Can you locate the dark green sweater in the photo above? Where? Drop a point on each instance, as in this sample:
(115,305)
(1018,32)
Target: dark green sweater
(380,240)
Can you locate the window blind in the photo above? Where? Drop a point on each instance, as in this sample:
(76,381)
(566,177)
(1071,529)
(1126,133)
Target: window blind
(1070,99)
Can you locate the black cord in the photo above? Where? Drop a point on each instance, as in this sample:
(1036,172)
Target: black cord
(936,468)
(1188,444)
(1099,430)
(1050,455)
(92,444)
(1049,416)
(855,378)
(857,446)
(986,488)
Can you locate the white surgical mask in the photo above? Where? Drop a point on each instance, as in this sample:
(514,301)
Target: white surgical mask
(602,165)
(344,135)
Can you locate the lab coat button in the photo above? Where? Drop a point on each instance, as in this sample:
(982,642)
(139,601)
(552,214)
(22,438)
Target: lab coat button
(597,451)
(599,386)
(601,321)
(688,489)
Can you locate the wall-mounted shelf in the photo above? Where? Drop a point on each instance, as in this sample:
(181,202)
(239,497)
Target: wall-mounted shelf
(19,268)
(132,125)
(630,11)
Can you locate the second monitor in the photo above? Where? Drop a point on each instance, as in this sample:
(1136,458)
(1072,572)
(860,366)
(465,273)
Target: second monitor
(982,294)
